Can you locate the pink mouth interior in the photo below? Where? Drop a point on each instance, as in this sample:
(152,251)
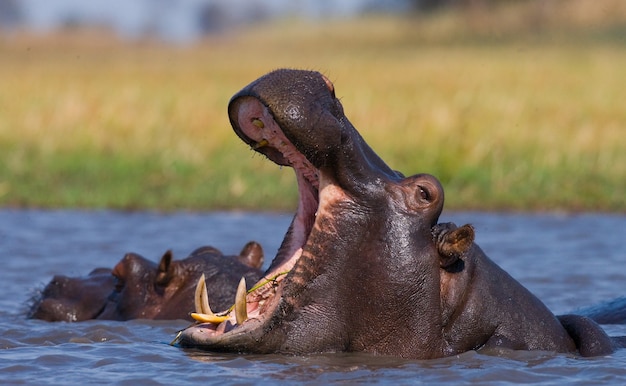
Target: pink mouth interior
(269,134)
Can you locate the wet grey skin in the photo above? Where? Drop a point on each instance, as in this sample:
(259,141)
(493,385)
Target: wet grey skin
(364,266)
(137,288)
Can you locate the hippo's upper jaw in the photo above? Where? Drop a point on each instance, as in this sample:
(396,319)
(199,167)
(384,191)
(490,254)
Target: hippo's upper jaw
(350,202)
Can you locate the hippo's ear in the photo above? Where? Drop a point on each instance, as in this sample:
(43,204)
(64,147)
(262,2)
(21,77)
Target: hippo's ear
(252,255)
(452,242)
(164,272)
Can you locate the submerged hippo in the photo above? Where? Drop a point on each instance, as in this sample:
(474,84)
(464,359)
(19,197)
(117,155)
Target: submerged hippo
(363,266)
(73,299)
(139,288)
(609,312)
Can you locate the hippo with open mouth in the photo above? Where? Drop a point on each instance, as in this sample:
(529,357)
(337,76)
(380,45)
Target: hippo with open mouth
(364,267)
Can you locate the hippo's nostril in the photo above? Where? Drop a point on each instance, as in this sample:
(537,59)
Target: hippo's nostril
(119,284)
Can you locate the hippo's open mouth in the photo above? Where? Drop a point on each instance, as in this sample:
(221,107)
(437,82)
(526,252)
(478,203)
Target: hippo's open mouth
(255,124)
(294,118)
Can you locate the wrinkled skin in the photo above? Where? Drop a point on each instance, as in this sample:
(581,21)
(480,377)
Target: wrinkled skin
(364,271)
(139,288)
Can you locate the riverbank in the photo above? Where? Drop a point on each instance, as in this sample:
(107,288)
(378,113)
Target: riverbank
(518,120)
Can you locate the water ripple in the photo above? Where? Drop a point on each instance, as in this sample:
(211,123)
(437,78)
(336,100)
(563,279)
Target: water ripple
(568,261)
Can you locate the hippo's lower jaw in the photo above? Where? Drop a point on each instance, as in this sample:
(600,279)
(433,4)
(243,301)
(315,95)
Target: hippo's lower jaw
(263,299)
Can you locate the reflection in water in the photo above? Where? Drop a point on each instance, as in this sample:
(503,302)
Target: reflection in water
(567,261)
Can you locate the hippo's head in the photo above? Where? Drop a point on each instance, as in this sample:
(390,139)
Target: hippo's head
(358,269)
(146,290)
(140,288)
(71,299)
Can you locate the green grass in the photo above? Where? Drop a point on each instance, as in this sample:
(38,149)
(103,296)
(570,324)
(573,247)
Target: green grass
(94,180)
(508,120)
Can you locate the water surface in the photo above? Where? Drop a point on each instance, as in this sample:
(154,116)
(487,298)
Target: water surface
(568,261)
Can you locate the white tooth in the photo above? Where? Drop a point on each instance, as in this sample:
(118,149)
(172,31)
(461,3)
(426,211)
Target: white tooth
(204,318)
(241,309)
(258,123)
(201,298)
(261,144)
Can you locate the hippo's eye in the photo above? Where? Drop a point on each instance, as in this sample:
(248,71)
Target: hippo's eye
(422,192)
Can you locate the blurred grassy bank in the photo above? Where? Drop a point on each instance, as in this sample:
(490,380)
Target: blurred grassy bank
(512,109)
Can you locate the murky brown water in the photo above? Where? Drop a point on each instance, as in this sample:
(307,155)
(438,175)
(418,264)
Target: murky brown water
(568,261)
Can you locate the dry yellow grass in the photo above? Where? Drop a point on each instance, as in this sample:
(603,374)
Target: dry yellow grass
(533,122)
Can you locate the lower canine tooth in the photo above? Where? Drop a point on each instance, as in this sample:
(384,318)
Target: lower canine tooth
(241,309)
(201,298)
